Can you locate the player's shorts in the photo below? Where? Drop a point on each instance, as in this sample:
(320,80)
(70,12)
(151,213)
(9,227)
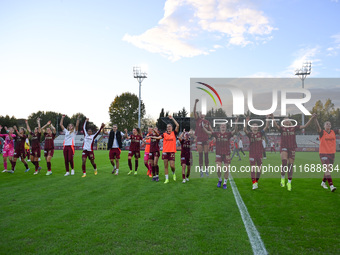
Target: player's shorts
(68,152)
(88,154)
(255,161)
(20,154)
(186,160)
(153,155)
(168,155)
(136,154)
(223,158)
(36,152)
(201,142)
(48,152)
(146,156)
(291,152)
(327,159)
(114,153)
(8,152)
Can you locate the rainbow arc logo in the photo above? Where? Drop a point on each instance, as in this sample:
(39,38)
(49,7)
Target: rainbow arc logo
(209,93)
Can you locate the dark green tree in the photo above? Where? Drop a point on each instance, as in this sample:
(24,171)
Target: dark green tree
(123,111)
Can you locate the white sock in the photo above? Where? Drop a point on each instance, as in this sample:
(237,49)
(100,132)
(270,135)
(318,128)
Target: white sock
(166,176)
(157,175)
(220,179)
(283,176)
(332,186)
(225,181)
(289,181)
(117,170)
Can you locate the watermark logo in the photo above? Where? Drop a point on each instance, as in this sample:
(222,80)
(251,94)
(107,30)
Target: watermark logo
(238,98)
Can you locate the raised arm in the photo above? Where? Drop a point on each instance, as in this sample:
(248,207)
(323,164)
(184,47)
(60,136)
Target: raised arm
(176,123)
(77,123)
(236,127)
(45,126)
(180,138)
(318,128)
(245,130)
(126,134)
(53,129)
(39,128)
(84,126)
(97,133)
(27,126)
(195,113)
(267,125)
(275,123)
(16,130)
(62,122)
(308,122)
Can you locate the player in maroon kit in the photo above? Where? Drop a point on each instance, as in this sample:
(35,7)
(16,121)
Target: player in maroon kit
(222,151)
(19,148)
(154,154)
(49,144)
(134,149)
(186,155)
(202,140)
(255,150)
(36,150)
(288,146)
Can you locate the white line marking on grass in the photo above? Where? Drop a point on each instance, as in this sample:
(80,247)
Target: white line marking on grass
(254,236)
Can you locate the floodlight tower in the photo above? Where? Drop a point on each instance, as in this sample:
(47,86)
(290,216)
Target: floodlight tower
(140,76)
(302,73)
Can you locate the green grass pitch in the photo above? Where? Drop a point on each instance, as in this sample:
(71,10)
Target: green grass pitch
(107,214)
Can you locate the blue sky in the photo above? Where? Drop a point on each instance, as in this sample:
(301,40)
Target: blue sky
(76,56)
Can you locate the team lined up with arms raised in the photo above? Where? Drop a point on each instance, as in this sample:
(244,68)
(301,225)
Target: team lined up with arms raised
(203,131)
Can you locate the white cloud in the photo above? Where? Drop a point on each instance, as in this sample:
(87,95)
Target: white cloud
(191,27)
(334,49)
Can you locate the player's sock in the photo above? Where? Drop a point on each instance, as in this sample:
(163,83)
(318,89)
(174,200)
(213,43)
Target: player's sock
(153,170)
(150,167)
(166,176)
(225,181)
(26,166)
(289,180)
(324,179)
(13,164)
(146,165)
(290,171)
(36,164)
(5,164)
(252,174)
(117,170)
(183,176)
(130,164)
(83,168)
(157,170)
(94,165)
(136,164)
(330,181)
(200,159)
(220,179)
(284,167)
(72,163)
(206,159)
(188,172)
(49,166)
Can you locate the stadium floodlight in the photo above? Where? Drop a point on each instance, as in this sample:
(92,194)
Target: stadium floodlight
(303,73)
(140,76)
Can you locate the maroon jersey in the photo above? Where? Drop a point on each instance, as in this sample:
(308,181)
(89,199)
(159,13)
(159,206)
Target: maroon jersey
(154,144)
(185,148)
(202,136)
(288,139)
(49,141)
(255,146)
(20,143)
(222,142)
(35,138)
(135,142)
